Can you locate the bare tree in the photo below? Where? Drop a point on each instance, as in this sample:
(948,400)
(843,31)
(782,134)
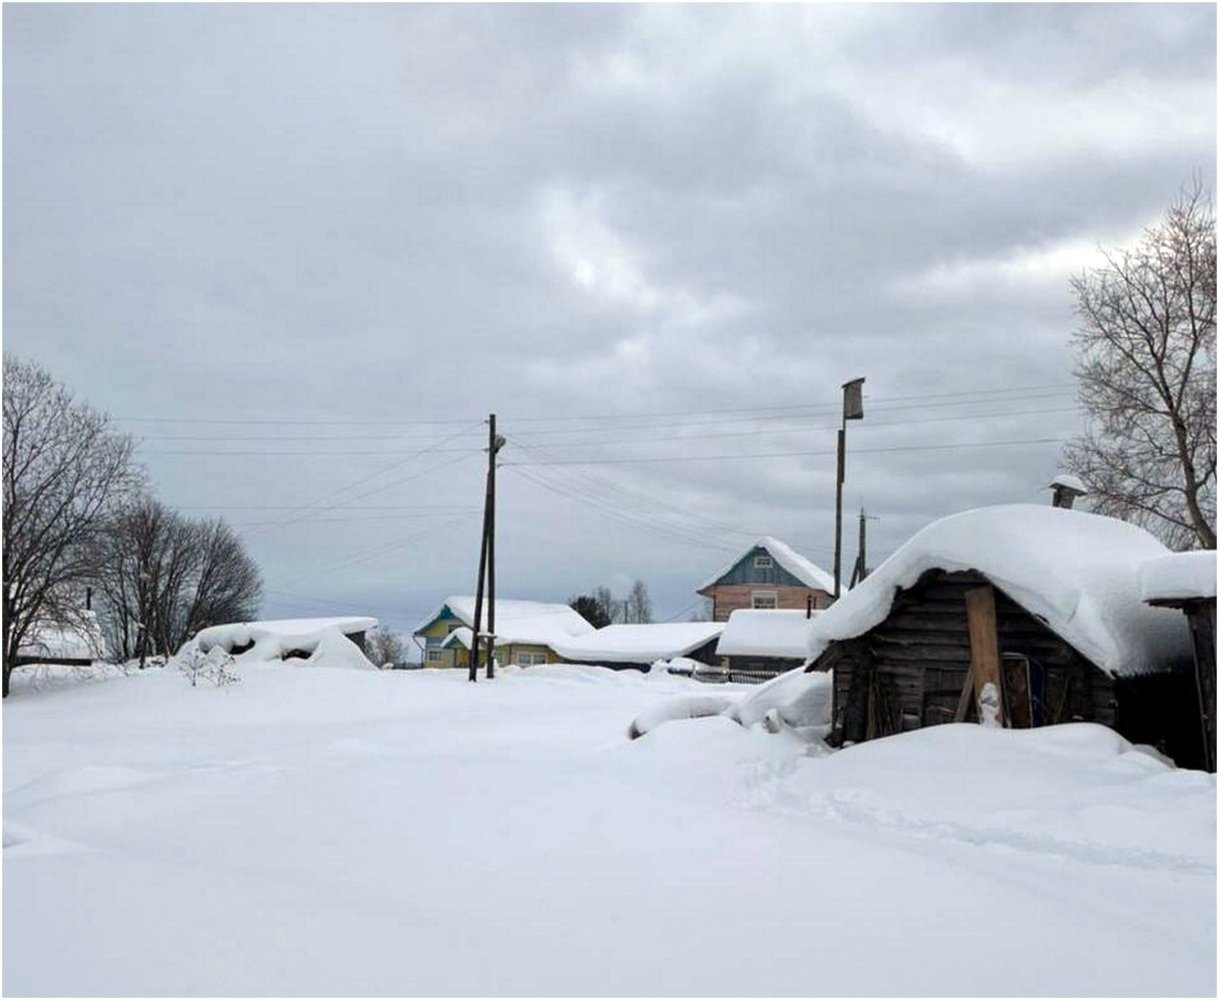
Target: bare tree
(637,606)
(1145,359)
(65,470)
(163,577)
(609,608)
(385,648)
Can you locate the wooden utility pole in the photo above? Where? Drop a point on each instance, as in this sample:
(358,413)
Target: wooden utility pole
(852,409)
(861,559)
(478,594)
(493,446)
(486,563)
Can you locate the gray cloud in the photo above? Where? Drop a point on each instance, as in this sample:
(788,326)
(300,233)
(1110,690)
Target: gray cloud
(403,213)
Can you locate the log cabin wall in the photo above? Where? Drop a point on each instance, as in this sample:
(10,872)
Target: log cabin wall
(909,671)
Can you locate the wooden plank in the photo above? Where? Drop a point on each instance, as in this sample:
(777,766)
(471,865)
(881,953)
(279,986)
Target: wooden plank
(967,693)
(984,644)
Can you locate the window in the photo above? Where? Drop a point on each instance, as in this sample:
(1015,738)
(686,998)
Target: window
(435,655)
(766,600)
(763,562)
(531,659)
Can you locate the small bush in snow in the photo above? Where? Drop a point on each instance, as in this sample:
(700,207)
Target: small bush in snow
(214,667)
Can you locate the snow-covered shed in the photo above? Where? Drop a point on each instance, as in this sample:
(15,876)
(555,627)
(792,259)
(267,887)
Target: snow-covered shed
(1075,640)
(770,574)
(310,642)
(1186,580)
(69,643)
(638,646)
(525,631)
(760,644)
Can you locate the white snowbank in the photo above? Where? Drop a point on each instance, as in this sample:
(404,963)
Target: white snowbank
(801,567)
(693,706)
(638,643)
(516,622)
(1076,791)
(1078,572)
(750,632)
(802,700)
(1177,577)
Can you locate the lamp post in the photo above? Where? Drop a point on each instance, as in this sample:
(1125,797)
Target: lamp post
(852,409)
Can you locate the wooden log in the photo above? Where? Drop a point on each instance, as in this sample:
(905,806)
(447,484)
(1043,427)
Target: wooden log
(984,644)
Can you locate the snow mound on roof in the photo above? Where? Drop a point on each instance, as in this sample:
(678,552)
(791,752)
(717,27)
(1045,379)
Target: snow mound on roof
(288,633)
(802,568)
(521,622)
(335,651)
(1078,572)
(1181,576)
(750,632)
(639,643)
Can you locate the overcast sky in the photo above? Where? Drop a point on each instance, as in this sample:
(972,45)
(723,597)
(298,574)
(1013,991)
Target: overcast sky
(302,251)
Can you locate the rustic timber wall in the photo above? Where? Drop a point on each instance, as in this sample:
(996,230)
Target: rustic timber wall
(908,671)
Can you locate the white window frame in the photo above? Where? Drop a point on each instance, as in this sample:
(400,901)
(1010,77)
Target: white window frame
(763,562)
(531,659)
(435,656)
(766,595)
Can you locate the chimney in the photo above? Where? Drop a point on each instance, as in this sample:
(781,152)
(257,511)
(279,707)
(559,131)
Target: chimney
(1065,488)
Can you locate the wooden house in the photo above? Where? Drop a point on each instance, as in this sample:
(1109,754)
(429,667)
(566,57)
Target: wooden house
(757,645)
(769,575)
(638,646)
(525,631)
(1186,580)
(1048,596)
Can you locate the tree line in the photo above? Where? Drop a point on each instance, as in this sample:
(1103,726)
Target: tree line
(600,607)
(79,520)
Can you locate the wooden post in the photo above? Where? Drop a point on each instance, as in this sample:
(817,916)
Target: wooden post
(842,444)
(482,576)
(492,448)
(984,644)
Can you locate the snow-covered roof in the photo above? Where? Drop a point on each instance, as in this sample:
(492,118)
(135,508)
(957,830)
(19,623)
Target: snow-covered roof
(1076,571)
(638,643)
(802,568)
(750,632)
(1182,576)
(462,636)
(290,633)
(524,622)
(1070,482)
(80,640)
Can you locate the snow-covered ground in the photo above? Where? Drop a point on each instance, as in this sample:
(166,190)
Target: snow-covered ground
(322,832)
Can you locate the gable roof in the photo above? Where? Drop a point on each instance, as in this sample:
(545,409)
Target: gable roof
(639,643)
(1077,572)
(516,621)
(754,632)
(803,569)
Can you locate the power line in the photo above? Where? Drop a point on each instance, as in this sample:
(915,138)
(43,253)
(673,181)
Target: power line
(790,454)
(293,422)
